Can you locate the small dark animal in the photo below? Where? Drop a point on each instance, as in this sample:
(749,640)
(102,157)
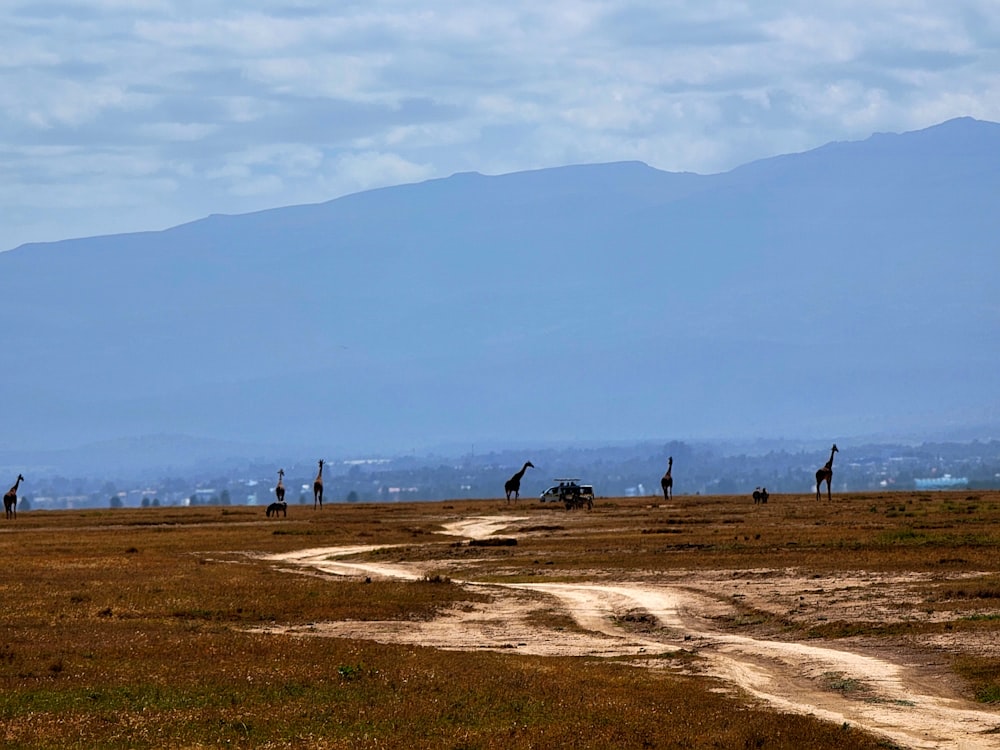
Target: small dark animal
(276,508)
(756,496)
(10,499)
(763,495)
(513,485)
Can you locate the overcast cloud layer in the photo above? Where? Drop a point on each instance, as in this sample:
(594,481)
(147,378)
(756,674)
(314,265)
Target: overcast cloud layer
(123,115)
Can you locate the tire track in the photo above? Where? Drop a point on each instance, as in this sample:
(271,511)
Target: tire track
(884,697)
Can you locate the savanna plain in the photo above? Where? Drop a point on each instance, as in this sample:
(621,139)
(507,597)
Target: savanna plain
(866,621)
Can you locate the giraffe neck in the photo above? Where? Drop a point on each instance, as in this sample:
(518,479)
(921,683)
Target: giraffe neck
(829,464)
(16,485)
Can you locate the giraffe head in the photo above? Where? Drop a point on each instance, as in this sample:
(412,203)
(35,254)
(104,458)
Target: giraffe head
(281,474)
(530,465)
(835,449)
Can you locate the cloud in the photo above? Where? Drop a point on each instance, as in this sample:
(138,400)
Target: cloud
(237,107)
(177,131)
(369,169)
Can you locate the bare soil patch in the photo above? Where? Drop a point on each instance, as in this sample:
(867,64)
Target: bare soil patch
(753,630)
(869,621)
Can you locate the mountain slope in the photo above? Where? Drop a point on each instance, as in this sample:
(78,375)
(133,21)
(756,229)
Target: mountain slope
(842,290)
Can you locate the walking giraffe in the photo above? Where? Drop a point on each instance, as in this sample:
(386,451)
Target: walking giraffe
(514,483)
(10,498)
(826,474)
(667,481)
(318,488)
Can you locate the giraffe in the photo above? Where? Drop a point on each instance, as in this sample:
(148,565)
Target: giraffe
(667,481)
(279,489)
(514,483)
(826,473)
(10,498)
(318,488)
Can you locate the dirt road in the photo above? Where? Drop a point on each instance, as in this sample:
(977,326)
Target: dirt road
(877,693)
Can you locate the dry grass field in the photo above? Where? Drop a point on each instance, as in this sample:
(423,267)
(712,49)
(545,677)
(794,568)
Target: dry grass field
(869,621)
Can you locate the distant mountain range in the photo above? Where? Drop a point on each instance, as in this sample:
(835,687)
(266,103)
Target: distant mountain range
(846,290)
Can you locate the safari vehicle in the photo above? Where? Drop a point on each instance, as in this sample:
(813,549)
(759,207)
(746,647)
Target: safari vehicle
(570,493)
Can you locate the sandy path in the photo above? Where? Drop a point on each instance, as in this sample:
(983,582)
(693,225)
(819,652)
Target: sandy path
(325,560)
(793,676)
(885,697)
(480,527)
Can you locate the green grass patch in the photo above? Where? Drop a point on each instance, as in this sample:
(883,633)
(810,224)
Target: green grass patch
(983,676)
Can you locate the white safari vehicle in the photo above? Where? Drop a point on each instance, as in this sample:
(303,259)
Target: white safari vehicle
(570,493)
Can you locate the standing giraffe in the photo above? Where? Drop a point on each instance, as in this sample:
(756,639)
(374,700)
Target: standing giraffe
(10,498)
(318,488)
(667,481)
(826,473)
(514,483)
(279,489)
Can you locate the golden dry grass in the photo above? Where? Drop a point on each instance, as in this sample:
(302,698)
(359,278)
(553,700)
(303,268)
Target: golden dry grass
(134,628)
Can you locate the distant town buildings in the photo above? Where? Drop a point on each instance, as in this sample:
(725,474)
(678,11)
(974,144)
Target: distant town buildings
(615,471)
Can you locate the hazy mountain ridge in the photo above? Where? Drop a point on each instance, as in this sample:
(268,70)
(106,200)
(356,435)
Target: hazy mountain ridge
(843,290)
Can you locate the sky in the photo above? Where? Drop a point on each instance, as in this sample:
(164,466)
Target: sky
(133,115)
